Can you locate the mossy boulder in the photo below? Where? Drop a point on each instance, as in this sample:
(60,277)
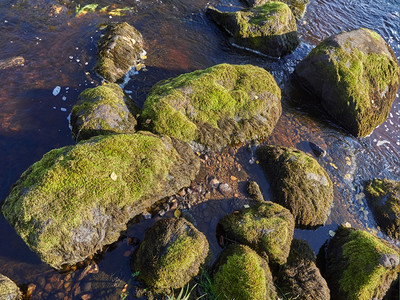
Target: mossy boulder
(383,198)
(270,29)
(300,278)
(77,199)
(359,265)
(102,110)
(355,76)
(170,255)
(8,289)
(298,7)
(119,49)
(267,228)
(216,107)
(298,183)
(241,274)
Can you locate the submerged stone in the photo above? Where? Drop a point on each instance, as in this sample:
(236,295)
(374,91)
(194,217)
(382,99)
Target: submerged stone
(300,278)
(8,289)
(270,29)
(353,265)
(67,206)
(241,274)
(383,198)
(102,110)
(355,75)
(170,255)
(119,49)
(216,107)
(298,183)
(267,228)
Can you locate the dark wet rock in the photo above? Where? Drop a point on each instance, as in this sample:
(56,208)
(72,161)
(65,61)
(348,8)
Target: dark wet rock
(355,75)
(383,198)
(170,255)
(267,228)
(270,29)
(318,151)
(300,278)
(298,183)
(240,273)
(8,289)
(11,62)
(254,191)
(216,107)
(102,110)
(298,7)
(77,199)
(352,265)
(119,49)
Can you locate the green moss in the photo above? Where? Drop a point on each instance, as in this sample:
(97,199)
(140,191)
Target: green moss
(171,253)
(298,183)
(102,110)
(243,275)
(359,81)
(68,182)
(267,228)
(364,274)
(179,106)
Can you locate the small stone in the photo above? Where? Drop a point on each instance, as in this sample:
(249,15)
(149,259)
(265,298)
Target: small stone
(318,151)
(161,212)
(233,178)
(207,195)
(113,176)
(214,183)
(225,189)
(56,90)
(146,215)
(86,297)
(332,233)
(182,192)
(346,224)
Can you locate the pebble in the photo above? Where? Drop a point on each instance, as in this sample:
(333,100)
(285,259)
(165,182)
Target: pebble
(56,90)
(225,189)
(113,176)
(146,215)
(214,183)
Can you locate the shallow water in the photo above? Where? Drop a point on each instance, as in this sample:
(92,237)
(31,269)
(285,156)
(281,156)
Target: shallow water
(59,50)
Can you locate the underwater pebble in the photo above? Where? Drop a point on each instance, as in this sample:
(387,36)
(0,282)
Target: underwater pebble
(332,233)
(64,98)
(56,90)
(225,189)
(63,109)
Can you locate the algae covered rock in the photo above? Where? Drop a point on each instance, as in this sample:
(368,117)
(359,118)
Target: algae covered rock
(298,7)
(270,29)
(355,75)
(8,289)
(102,110)
(77,199)
(298,183)
(300,278)
(215,107)
(359,265)
(241,274)
(119,49)
(267,228)
(170,255)
(383,198)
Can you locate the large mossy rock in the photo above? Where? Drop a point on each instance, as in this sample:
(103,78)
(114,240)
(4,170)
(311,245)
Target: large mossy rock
(298,183)
(300,278)
(359,265)
(170,255)
(77,199)
(270,29)
(8,289)
(102,110)
(267,228)
(241,274)
(215,107)
(355,76)
(383,198)
(298,7)
(119,49)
